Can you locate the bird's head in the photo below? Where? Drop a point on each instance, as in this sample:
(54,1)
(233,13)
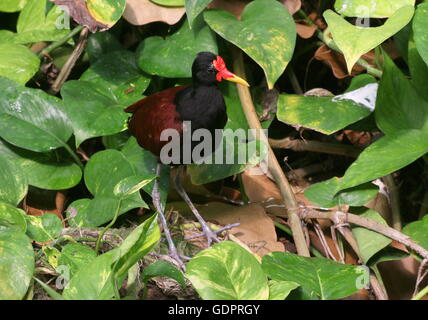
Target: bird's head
(209,68)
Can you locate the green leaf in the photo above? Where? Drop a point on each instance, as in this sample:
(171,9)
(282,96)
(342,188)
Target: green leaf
(91,111)
(28,113)
(131,184)
(420,26)
(163,269)
(325,194)
(43,228)
(226,271)
(43,170)
(101,43)
(169,3)
(35,26)
(398,105)
(16,264)
(12,217)
(400,148)
(17,62)
(12,5)
(387,254)
(279,290)
(323,114)
(14,183)
(106,11)
(194,8)
(418,231)
(266,32)
(173,56)
(116,141)
(370,8)
(355,41)
(75,256)
(51,292)
(418,70)
(328,279)
(370,242)
(118,76)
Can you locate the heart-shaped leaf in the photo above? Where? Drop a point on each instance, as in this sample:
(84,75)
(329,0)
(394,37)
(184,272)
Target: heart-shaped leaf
(16,264)
(11,217)
(238,275)
(418,231)
(354,41)
(43,228)
(12,5)
(34,25)
(17,62)
(194,8)
(370,242)
(91,111)
(27,113)
(399,106)
(325,194)
(107,12)
(323,114)
(43,170)
(420,26)
(370,8)
(328,279)
(400,148)
(14,183)
(173,56)
(266,32)
(117,74)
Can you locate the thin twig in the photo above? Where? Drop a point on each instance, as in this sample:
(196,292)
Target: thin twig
(315,146)
(273,165)
(60,42)
(68,66)
(394,201)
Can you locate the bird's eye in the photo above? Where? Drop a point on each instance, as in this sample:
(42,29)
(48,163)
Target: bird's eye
(211,68)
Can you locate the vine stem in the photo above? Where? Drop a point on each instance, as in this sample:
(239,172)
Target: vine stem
(60,42)
(112,222)
(273,164)
(73,155)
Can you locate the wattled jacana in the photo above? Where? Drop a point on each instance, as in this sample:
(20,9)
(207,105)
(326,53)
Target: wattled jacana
(202,104)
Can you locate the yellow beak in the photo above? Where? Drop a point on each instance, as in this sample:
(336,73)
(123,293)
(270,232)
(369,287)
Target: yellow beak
(237,79)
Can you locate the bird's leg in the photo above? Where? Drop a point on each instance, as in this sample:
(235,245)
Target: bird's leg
(158,205)
(206,230)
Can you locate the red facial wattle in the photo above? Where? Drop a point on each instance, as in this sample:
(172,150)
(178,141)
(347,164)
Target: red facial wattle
(223,73)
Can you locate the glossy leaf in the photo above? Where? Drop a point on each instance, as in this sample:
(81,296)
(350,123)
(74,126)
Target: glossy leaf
(370,8)
(420,26)
(14,183)
(226,271)
(323,114)
(106,11)
(266,33)
(43,170)
(173,56)
(163,269)
(131,184)
(418,70)
(325,194)
(279,290)
(387,254)
(118,76)
(16,264)
(398,105)
(43,228)
(11,217)
(12,5)
(91,111)
(355,41)
(101,43)
(34,25)
(194,8)
(26,113)
(400,149)
(17,62)
(169,3)
(328,279)
(370,242)
(418,231)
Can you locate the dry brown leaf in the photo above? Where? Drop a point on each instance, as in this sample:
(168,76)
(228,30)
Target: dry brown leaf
(256,229)
(304,31)
(292,5)
(140,12)
(79,12)
(337,63)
